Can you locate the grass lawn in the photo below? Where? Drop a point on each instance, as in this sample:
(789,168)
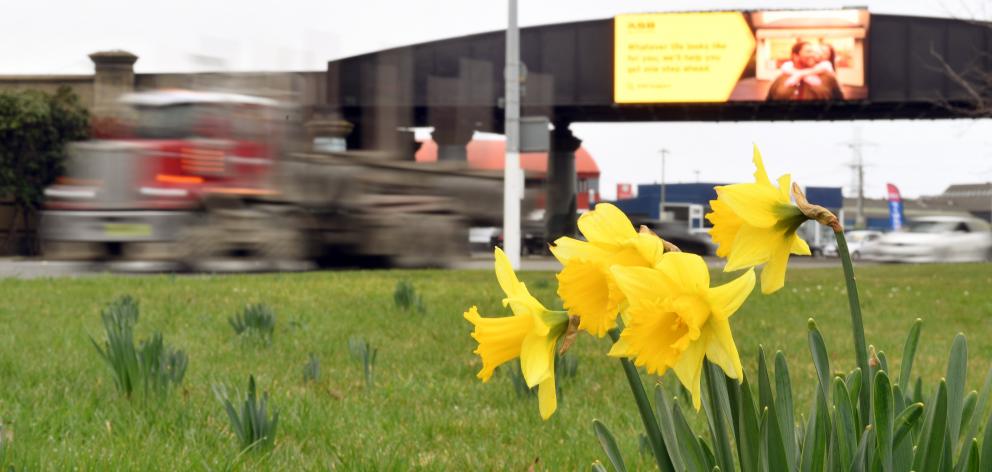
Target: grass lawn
(427,410)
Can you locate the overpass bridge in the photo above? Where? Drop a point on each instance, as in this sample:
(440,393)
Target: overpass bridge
(625,69)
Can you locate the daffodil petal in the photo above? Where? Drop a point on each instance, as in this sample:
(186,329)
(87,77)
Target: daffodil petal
(606,224)
(650,247)
(689,369)
(799,246)
(752,247)
(537,356)
(687,270)
(506,277)
(755,204)
(547,397)
(566,249)
(725,299)
(644,285)
(760,175)
(773,274)
(620,348)
(785,186)
(721,349)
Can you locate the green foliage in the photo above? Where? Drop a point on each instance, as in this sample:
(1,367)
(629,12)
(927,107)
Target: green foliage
(256,321)
(897,434)
(252,425)
(34,129)
(365,353)
(151,367)
(406,297)
(311,370)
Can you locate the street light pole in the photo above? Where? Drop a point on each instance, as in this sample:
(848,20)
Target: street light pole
(512,178)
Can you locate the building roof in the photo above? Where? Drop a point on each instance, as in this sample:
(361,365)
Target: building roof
(963,197)
(489,154)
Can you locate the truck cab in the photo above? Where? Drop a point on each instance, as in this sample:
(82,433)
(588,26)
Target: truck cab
(131,197)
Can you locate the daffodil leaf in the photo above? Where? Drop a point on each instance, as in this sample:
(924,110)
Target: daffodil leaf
(844,426)
(667,427)
(859,464)
(689,448)
(930,446)
(609,444)
(976,417)
(957,375)
(718,414)
(883,411)
(909,353)
(785,410)
(820,361)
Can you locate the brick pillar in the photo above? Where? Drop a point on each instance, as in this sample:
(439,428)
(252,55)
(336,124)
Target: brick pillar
(114,77)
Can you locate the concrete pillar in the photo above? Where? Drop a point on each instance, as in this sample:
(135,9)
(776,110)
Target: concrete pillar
(114,77)
(452,135)
(562,179)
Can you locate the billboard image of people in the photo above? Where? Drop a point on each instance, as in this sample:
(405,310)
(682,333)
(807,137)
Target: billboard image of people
(805,55)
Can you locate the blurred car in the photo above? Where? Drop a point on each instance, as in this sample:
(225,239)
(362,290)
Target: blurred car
(534,242)
(857,242)
(935,239)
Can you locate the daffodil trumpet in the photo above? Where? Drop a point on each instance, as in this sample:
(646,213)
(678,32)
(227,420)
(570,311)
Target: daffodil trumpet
(585,283)
(676,320)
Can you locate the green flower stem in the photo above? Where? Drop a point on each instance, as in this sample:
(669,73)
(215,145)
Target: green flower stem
(857,326)
(647,414)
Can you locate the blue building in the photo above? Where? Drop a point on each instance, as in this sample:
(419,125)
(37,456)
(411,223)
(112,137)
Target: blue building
(691,201)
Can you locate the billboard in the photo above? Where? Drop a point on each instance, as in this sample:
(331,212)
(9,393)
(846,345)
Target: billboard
(797,55)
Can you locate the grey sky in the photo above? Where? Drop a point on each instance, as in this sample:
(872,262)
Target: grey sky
(54,37)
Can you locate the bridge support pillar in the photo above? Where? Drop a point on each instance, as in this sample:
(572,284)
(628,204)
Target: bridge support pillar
(452,134)
(560,204)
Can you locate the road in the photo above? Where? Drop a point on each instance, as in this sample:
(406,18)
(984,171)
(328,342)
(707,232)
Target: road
(25,268)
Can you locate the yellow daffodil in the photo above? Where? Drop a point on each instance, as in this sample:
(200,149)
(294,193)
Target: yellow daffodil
(530,334)
(585,283)
(676,319)
(756,224)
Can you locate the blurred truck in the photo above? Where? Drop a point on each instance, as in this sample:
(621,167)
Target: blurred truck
(222,181)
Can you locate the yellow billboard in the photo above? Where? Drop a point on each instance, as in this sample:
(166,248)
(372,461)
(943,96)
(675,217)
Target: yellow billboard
(735,56)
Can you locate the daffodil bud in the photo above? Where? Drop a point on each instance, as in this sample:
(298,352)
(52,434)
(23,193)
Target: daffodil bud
(570,334)
(815,212)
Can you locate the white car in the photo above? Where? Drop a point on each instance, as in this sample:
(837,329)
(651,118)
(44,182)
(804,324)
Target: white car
(857,242)
(935,239)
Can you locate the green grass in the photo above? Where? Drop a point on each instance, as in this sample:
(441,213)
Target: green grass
(426,409)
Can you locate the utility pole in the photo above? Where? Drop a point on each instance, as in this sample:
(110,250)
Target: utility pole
(661,209)
(512,178)
(858,166)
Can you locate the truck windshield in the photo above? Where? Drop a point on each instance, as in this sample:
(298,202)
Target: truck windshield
(171,122)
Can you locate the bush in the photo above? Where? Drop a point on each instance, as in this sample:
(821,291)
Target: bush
(150,367)
(34,129)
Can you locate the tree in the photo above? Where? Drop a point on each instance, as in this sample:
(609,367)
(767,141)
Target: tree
(34,129)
